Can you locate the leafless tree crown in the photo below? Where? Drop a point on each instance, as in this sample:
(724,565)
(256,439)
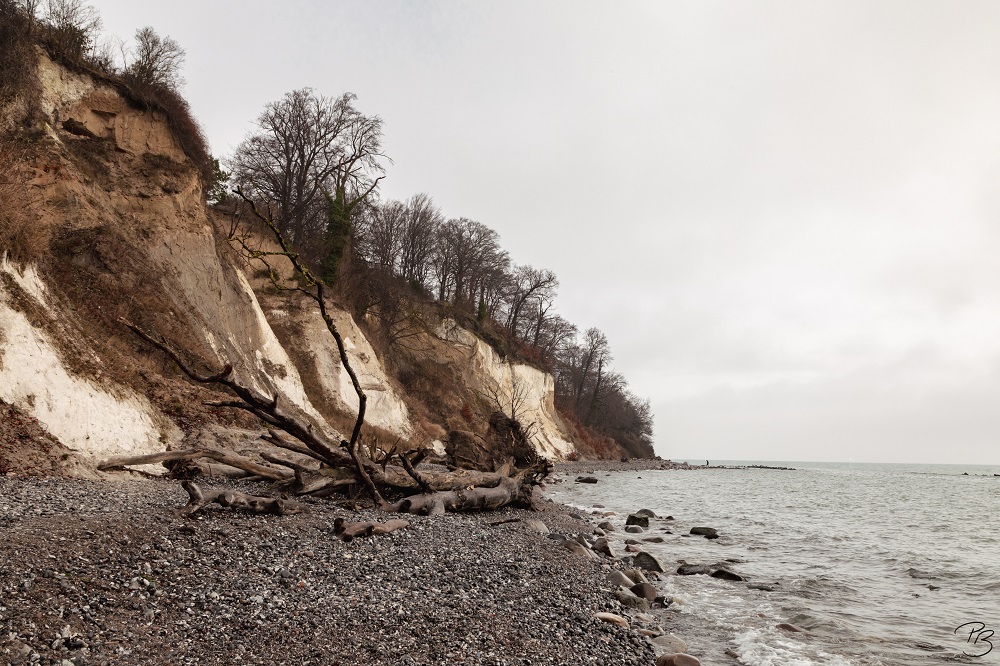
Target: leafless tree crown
(306,145)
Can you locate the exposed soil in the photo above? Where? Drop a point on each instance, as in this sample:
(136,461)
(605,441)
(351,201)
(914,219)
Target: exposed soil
(27,448)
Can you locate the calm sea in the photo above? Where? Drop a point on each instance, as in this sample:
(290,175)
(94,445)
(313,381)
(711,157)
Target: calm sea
(879,563)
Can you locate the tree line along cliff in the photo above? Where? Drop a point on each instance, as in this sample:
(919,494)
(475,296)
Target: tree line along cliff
(110,191)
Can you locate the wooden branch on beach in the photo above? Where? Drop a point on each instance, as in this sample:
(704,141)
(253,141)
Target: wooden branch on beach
(225,457)
(516,489)
(199,499)
(411,470)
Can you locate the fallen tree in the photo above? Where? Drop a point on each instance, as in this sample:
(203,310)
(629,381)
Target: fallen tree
(334,465)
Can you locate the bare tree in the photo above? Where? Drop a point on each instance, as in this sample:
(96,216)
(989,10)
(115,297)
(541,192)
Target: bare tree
(305,146)
(156,61)
(467,260)
(378,240)
(417,239)
(71,27)
(529,284)
(593,352)
(552,333)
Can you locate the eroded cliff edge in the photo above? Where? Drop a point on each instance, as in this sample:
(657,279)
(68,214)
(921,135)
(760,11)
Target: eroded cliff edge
(124,233)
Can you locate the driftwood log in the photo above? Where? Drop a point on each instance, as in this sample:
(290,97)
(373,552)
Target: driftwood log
(517,489)
(218,455)
(333,467)
(199,499)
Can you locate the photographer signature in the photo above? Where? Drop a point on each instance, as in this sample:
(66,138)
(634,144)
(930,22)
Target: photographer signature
(979,636)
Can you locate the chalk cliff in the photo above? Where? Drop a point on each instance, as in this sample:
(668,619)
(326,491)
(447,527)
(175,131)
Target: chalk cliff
(127,235)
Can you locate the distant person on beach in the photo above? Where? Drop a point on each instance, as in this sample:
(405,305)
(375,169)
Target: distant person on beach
(706,463)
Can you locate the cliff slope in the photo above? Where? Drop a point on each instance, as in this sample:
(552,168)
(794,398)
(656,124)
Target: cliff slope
(122,232)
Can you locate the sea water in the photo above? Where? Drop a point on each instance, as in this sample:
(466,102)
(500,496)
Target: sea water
(879,564)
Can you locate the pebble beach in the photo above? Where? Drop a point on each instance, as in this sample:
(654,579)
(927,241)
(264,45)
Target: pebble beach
(108,573)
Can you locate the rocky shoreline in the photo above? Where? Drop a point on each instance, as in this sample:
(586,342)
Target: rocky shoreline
(108,573)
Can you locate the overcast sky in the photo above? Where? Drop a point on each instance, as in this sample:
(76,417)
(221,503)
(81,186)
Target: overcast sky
(784,215)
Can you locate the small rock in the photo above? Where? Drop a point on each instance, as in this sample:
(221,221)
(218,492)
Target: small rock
(636,519)
(618,579)
(586,479)
(599,532)
(606,526)
(634,529)
(603,546)
(612,619)
(764,587)
(537,526)
(645,512)
(631,542)
(648,562)
(784,626)
(707,532)
(577,549)
(632,548)
(629,600)
(646,591)
(636,576)
(677,659)
(693,569)
(670,643)
(655,539)
(577,516)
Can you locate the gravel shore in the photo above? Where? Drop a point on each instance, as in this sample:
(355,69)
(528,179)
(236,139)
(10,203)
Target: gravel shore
(107,573)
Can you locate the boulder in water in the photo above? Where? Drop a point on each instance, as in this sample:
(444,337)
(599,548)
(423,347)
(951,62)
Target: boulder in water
(646,591)
(784,626)
(629,600)
(648,562)
(670,643)
(726,574)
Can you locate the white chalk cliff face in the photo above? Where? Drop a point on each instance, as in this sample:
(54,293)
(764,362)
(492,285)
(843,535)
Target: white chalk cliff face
(85,415)
(153,204)
(527,390)
(331,384)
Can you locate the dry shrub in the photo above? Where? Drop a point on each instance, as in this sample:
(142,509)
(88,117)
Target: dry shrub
(17,55)
(22,236)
